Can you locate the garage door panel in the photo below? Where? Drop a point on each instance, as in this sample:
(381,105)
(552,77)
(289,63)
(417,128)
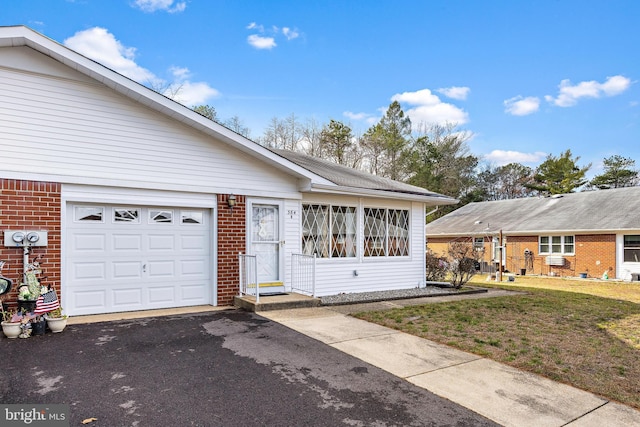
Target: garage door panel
(193,293)
(162,294)
(89,301)
(161,242)
(137,265)
(193,267)
(89,271)
(197,243)
(159,269)
(127,298)
(126,270)
(89,242)
(126,242)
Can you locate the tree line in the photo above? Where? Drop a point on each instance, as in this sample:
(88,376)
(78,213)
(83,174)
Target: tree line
(433,156)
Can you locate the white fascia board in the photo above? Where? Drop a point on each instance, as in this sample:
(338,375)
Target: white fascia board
(564,232)
(355,191)
(101,182)
(23,36)
(507,233)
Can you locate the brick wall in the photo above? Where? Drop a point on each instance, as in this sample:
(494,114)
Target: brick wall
(231,242)
(438,245)
(30,205)
(594,254)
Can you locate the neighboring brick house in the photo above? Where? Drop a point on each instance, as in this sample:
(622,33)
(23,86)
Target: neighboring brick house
(577,234)
(147,204)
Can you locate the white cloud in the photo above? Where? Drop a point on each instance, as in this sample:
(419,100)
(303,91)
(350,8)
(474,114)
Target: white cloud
(195,93)
(101,46)
(455,92)
(504,157)
(289,33)
(266,38)
(430,109)
(355,116)
(260,42)
(150,6)
(255,26)
(367,118)
(519,106)
(570,94)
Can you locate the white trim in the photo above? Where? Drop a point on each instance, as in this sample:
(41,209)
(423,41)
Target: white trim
(134,197)
(383,194)
(281,231)
(74,194)
(14,36)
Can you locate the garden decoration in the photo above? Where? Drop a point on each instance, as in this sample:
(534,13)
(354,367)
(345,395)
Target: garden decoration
(5,283)
(35,302)
(56,321)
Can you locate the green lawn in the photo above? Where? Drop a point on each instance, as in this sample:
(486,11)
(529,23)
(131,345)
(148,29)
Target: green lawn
(588,341)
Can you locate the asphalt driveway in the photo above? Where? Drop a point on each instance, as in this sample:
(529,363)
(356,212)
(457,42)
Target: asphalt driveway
(229,368)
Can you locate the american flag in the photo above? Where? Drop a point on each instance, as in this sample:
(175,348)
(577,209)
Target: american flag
(46,302)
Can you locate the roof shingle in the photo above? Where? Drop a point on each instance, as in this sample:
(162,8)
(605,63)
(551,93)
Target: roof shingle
(594,211)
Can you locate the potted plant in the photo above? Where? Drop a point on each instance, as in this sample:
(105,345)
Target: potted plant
(11,323)
(56,321)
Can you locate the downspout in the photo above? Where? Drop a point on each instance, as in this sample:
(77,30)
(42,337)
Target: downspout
(432,212)
(424,258)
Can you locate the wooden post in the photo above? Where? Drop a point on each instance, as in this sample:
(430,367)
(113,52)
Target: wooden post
(499,272)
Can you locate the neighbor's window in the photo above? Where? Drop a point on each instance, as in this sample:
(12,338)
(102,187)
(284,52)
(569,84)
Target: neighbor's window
(478,243)
(329,231)
(88,213)
(386,232)
(632,248)
(556,244)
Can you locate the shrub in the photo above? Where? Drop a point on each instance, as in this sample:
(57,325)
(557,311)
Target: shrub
(436,268)
(464,262)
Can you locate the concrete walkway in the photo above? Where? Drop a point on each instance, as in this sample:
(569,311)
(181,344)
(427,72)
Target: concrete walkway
(503,394)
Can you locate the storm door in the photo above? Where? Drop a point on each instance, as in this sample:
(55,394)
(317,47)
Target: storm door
(265,241)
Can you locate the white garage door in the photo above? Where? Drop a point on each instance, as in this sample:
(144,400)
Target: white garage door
(123,258)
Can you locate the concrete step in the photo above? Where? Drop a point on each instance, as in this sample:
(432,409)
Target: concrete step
(275,302)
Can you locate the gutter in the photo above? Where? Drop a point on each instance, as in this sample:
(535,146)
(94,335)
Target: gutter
(384,194)
(533,232)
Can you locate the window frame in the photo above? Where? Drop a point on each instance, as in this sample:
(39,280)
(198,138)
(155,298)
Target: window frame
(388,250)
(556,244)
(78,218)
(635,246)
(327,237)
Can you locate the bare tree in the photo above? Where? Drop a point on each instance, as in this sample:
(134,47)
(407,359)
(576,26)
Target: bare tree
(462,262)
(236,124)
(284,134)
(310,138)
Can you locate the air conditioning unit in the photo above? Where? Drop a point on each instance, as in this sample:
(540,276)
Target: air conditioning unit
(554,260)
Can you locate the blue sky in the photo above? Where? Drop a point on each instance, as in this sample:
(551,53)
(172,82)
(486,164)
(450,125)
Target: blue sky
(524,78)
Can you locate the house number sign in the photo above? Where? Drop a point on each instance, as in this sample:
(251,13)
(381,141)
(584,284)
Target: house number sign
(292,213)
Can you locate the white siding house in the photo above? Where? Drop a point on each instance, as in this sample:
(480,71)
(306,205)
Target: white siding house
(133,192)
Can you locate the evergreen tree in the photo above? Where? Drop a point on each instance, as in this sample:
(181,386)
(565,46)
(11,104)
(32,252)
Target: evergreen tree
(618,172)
(559,175)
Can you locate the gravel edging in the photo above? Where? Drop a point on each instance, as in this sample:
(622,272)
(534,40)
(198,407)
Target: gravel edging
(377,296)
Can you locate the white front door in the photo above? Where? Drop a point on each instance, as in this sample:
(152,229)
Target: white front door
(264,242)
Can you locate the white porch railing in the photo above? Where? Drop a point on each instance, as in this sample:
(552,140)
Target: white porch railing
(249,276)
(303,274)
